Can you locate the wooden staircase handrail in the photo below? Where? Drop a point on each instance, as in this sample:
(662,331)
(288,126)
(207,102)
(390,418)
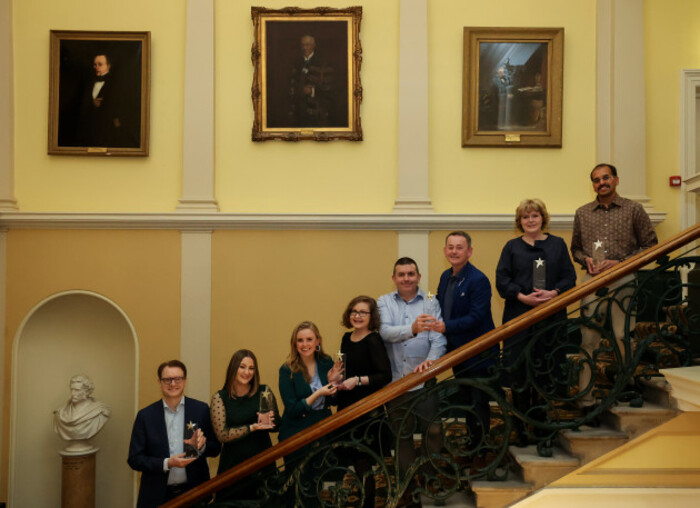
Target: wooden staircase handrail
(446,362)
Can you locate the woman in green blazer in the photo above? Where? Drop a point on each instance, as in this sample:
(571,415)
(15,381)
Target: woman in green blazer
(307,385)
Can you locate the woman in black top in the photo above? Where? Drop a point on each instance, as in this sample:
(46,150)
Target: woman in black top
(367,369)
(533,269)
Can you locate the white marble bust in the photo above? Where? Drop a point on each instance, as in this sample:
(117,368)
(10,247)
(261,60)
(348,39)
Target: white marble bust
(81,417)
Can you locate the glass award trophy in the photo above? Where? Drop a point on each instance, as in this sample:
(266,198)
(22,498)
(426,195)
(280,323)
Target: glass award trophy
(539,274)
(429,305)
(340,357)
(266,401)
(190,448)
(598,252)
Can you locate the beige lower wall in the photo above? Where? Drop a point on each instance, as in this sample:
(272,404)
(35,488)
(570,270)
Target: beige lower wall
(266,282)
(137,270)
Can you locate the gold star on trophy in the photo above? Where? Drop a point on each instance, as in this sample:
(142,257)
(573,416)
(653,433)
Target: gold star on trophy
(340,357)
(265,400)
(190,448)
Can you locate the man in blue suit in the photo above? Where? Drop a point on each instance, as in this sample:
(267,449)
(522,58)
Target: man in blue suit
(464,294)
(158,440)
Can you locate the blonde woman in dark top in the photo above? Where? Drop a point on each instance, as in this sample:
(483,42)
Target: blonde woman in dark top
(533,269)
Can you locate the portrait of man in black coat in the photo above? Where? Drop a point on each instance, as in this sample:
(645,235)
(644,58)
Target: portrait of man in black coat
(99,101)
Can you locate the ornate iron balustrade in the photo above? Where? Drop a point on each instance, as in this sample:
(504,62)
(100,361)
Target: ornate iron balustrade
(351,459)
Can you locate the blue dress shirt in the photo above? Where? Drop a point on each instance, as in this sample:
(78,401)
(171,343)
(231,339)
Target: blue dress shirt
(405,351)
(175,425)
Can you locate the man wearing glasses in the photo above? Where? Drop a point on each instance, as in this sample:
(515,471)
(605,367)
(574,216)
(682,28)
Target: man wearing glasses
(606,232)
(163,432)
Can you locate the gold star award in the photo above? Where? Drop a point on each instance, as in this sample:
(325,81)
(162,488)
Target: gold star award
(190,448)
(266,401)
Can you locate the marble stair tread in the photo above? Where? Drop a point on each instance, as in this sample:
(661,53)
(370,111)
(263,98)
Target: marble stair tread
(658,391)
(514,484)
(586,432)
(589,443)
(500,494)
(528,454)
(541,471)
(648,407)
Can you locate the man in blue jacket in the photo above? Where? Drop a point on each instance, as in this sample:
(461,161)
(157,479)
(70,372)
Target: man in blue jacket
(464,294)
(158,439)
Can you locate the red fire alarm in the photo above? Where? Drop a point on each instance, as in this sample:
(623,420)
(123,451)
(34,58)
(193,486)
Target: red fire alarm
(674,181)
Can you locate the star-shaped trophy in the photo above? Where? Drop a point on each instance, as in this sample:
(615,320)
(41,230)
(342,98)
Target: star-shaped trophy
(539,273)
(266,401)
(429,304)
(598,254)
(340,357)
(190,448)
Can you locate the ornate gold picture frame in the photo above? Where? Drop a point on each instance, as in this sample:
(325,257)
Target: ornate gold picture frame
(306,79)
(512,87)
(99,93)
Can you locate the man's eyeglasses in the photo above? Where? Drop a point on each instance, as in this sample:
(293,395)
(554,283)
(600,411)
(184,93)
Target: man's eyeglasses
(604,178)
(359,313)
(172,380)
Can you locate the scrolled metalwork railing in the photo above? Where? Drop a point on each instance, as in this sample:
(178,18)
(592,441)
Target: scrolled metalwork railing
(535,389)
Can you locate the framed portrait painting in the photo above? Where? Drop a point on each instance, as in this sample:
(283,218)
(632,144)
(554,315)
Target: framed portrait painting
(306,77)
(512,86)
(99,86)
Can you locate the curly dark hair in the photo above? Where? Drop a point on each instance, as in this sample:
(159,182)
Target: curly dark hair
(374,320)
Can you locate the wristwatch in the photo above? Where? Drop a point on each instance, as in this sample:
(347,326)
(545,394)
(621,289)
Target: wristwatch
(359,381)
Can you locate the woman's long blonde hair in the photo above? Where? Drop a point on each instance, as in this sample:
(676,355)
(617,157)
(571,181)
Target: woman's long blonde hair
(294,361)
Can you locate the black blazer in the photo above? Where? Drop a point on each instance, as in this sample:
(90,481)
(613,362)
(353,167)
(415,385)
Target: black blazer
(149,447)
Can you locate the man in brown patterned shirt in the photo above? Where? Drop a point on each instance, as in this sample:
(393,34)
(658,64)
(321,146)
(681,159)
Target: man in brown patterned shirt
(606,232)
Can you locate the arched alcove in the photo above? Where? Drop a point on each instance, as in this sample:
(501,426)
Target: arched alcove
(71,333)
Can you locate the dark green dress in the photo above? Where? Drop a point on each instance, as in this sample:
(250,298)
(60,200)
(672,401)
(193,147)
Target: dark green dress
(240,412)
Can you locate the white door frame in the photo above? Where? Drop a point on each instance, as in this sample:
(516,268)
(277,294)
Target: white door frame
(690,88)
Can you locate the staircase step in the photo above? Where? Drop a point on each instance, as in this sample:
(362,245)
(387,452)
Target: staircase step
(540,471)
(499,494)
(589,443)
(658,391)
(635,421)
(459,499)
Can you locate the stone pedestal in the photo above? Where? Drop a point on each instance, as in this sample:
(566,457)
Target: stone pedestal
(78,480)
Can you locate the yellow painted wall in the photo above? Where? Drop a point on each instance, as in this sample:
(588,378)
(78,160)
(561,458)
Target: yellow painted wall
(671,43)
(494,180)
(265,282)
(138,270)
(275,176)
(69,183)
(347,177)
